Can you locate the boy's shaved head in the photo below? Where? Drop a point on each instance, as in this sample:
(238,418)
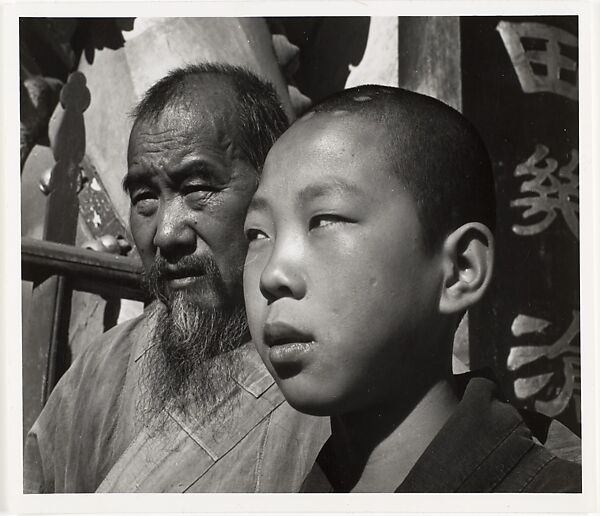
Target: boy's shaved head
(435,151)
(369,236)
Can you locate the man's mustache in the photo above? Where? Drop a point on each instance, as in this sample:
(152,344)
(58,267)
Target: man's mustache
(155,279)
(201,265)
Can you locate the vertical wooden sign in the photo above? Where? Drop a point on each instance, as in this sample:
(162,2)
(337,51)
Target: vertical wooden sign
(520,89)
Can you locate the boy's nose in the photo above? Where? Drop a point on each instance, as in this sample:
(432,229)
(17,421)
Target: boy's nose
(282,276)
(175,234)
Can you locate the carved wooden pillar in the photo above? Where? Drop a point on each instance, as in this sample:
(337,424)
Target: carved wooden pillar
(429,57)
(45,336)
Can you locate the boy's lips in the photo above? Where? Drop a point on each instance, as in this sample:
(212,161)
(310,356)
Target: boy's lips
(287,346)
(278,333)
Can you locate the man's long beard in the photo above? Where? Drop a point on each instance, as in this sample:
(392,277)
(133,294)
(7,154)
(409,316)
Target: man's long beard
(191,361)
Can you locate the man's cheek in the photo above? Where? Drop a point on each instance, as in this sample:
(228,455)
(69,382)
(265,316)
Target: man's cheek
(147,252)
(142,231)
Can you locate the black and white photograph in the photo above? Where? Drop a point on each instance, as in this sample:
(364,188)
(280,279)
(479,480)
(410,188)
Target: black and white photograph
(305,251)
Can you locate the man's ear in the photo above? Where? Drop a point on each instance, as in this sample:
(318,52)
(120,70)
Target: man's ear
(468,261)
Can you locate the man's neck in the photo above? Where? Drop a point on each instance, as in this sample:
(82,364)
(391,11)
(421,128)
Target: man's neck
(374,450)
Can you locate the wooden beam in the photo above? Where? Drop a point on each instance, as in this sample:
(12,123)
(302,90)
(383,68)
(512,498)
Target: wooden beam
(88,271)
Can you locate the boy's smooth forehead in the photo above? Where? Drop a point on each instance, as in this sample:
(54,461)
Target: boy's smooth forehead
(341,135)
(341,129)
(327,147)
(407,129)
(377,111)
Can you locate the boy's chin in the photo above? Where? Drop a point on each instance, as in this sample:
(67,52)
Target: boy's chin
(314,401)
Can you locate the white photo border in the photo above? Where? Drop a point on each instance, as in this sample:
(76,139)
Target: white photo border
(12,499)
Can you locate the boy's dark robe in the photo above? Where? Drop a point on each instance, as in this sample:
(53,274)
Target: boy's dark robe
(484,446)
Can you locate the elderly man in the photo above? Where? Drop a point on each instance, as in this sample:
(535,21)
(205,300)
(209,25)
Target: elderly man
(176,400)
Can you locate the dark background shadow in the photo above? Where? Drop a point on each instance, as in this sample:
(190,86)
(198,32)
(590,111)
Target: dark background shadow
(327,47)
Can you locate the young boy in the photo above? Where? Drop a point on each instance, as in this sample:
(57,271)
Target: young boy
(370,236)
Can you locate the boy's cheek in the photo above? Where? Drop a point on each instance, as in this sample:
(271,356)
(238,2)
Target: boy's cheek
(256,316)
(255,303)
(252,273)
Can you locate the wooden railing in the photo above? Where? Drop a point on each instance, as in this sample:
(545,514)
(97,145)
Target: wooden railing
(104,274)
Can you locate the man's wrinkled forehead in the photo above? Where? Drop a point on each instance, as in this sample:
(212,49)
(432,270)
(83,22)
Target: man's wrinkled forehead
(205,114)
(211,104)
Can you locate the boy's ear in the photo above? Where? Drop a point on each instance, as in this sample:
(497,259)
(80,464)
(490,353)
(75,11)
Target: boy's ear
(468,261)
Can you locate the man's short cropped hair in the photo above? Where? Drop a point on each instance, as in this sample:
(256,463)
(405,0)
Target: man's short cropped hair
(261,117)
(436,153)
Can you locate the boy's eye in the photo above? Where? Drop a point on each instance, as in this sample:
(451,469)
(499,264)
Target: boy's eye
(320,221)
(255,234)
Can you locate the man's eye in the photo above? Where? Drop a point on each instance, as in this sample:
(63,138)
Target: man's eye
(141,195)
(193,188)
(198,194)
(255,234)
(146,206)
(198,188)
(320,221)
(144,201)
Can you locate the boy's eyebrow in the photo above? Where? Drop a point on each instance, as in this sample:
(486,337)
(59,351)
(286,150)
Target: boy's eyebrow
(311,192)
(330,187)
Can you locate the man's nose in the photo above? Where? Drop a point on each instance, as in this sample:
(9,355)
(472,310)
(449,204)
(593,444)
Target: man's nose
(283,276)
(175,234)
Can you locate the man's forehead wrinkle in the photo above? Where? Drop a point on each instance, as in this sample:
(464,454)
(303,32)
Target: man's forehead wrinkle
(155,141)
(205,111)
(231,151)
(159,149)
(167,146)
(214,119)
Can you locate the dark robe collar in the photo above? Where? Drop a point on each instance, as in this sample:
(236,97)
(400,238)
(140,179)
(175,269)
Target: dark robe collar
(482,440)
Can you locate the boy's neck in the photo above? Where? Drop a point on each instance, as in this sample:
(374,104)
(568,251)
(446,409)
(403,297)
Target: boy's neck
(375,450)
